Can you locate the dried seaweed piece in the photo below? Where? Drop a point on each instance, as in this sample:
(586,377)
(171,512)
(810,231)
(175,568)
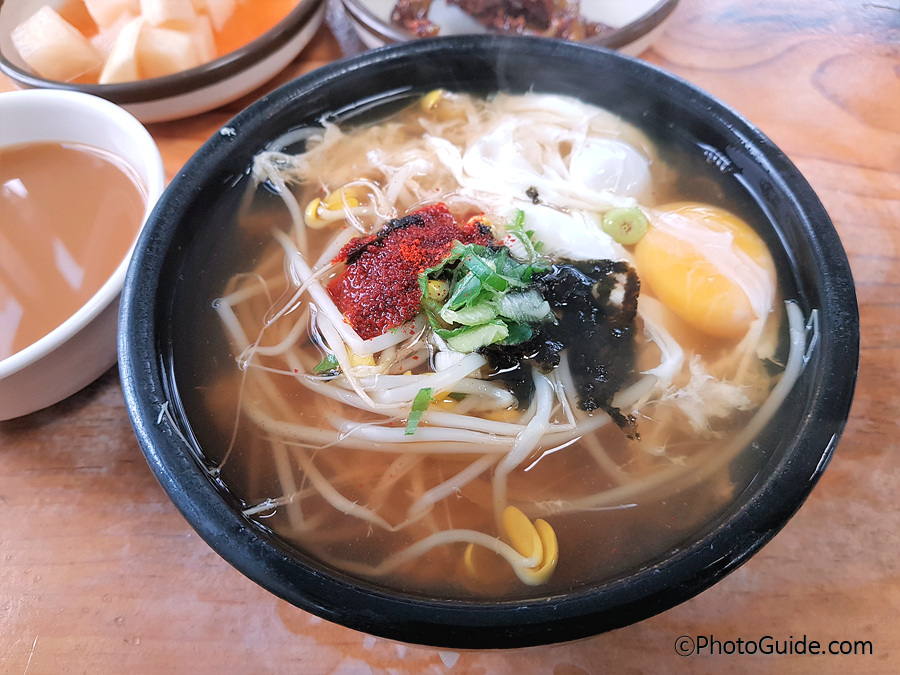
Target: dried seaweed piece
(596,306)
(595,303)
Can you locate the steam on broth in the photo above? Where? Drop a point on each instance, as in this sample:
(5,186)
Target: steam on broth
(490,344)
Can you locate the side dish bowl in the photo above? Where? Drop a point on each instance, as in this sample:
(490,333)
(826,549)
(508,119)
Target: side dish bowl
(185,93)
(83,346)
(798,442)
(632,26)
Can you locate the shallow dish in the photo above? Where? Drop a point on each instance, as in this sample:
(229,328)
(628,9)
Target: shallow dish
(84,346)
(796,445)
(187,93)
(634,25)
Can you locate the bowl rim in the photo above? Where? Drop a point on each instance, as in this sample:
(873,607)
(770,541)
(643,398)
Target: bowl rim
(615,39)
(757,515)
(218,70)
(107,113)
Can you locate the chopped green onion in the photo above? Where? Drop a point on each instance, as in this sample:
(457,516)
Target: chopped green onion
(524,306)
(518,333)
(626,225)
(517,230)
(469,338)
(464,292)
(419,406)
(485,272)
(488,299)
(469,316)
(326,365)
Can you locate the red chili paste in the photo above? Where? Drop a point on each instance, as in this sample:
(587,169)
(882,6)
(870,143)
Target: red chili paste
(379,288)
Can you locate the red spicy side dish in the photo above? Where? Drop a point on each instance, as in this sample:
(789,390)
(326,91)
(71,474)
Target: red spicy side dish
(379,288)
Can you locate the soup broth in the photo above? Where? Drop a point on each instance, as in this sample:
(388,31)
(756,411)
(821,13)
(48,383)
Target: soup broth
(546,464)
(70,214)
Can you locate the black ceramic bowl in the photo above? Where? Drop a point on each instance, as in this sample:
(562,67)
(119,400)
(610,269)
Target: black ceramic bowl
(800,440)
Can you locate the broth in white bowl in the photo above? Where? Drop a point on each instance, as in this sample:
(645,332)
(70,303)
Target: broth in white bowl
(66,249)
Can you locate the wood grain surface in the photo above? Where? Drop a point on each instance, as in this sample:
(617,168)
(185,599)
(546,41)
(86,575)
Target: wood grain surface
(100,574)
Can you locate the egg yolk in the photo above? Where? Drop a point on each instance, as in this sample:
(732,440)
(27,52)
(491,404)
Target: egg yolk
(682,275)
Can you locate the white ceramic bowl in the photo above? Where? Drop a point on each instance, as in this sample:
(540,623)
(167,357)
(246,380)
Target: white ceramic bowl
(84,346)
(183,94)
(635,24)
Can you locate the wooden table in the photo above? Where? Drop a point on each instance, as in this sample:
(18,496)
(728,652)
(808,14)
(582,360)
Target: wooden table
(100,574)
